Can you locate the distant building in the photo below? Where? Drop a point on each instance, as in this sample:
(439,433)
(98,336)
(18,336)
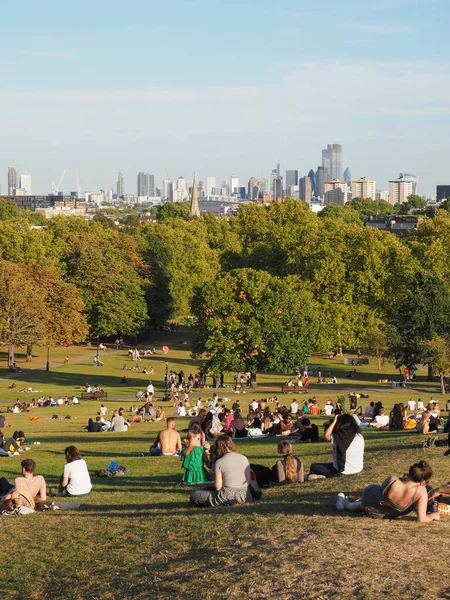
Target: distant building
(305,191)
(210,184)
(336,191)
(194,208)
(364,188)
(347,175)
(382,195)
(399,190)
(442,192)
(321,176)
(291,178)
(234,185)
(145,184)
(312,178)
(13,180)
(25,183)
(168,190)
(277,187)
(119,185)
(413,178)
(332,161)
(395,224)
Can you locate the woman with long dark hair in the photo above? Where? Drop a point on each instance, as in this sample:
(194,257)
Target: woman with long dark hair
(75,480)
(348,449)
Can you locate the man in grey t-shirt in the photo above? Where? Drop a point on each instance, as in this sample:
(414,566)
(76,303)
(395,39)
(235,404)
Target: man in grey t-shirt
(118,422)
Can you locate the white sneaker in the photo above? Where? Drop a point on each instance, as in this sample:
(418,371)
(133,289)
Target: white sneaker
(15,454)
(313,477)
(340,501)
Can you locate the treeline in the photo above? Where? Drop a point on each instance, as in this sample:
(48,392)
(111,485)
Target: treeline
(266,287)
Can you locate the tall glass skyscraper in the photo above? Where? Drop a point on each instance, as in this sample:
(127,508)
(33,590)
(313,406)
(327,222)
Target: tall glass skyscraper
(332,161)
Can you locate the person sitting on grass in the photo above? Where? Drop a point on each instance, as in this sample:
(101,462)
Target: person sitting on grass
(96,426)
(75,480)
(118,423)
(193,460)
(348,449)
(310,432)
(232,477)
(381,420)
(160,415)
(168,441)
(395,497)
(33,485)
(8,446)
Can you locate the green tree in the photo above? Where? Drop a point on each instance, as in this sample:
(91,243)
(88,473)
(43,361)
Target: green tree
(366,207)
(179,259)
(251,320)
(437,354)
(422,316)
(172,210)
(336,211)
(376,344)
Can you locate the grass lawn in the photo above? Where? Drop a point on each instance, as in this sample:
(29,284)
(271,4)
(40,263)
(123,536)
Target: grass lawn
(137,537)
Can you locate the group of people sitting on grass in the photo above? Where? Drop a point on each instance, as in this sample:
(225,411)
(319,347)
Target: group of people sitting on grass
(230,478)
(30,490)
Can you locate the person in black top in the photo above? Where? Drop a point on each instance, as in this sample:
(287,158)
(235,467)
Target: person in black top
(311,432)
(96,426)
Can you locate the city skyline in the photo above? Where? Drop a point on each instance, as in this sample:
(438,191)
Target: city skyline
(380,89)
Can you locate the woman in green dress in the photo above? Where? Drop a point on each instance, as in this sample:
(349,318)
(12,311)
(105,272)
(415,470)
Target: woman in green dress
(193,457)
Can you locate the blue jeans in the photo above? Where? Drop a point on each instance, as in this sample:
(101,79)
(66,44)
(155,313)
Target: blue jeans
(5,486)
(326,469)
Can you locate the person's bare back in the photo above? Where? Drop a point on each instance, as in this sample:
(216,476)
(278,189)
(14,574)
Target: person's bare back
(170,440)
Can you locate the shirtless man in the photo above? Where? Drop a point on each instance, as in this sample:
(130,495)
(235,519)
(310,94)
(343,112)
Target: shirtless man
(25,488)
(168,442)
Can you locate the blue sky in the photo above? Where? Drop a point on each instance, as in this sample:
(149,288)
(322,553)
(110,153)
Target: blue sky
(223,87)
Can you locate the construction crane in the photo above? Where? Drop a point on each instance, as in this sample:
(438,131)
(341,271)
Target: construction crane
(55,188)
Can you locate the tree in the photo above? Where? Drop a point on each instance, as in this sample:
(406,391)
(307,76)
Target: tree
(376,344)
(37,307)
(172,210)
(366,207)
(336,211)
(179,259)
(250,320)
(422,316)
(437,353)
(22,313)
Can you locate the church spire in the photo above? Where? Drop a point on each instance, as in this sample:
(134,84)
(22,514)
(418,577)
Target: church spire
(195,210)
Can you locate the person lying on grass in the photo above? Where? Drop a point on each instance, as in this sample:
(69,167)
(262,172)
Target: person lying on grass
(75,480)
(32,485)
(395,497)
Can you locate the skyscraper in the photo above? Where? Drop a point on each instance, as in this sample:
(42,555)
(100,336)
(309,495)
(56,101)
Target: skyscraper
(336,191)
(312,178)
(364,188)
(399,190)
(291,178)
(145,184)
(25,184)
(234,185)
(119,185)
(347,175)
(320,178)
(13,180)
(210,184)
(442,192)
(332,161)
(305,191)
(413,178)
